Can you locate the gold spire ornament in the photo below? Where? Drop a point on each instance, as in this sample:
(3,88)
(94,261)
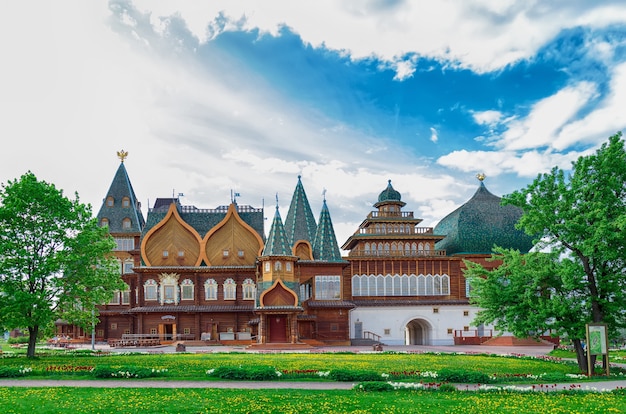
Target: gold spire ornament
(122,155)
(481,177)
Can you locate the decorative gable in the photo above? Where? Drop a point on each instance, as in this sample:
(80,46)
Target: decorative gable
(278,295)
(232,242)
(172,242)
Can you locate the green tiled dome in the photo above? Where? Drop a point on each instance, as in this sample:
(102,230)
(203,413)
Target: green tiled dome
(389,195)
(481,223)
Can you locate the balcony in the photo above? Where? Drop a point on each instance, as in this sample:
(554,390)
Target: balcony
(395,230)
(397,253)
(390,214)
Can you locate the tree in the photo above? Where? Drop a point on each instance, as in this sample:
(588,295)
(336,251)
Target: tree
(55,261)
(576,274)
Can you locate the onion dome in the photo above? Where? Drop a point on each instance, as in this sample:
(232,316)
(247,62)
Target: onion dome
(389,196)
(480,224)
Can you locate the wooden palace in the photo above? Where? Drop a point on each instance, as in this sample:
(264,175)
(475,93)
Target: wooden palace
(212,275)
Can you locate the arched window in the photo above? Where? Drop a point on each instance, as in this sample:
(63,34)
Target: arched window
(247,288)
(125,202)
(150,290)
(186,290)
(126,223)
(429,285)
(110,201)
(210,289)
(128,266)
(125,295)
(278,266)
(115,299)
(230,289)
(445,285)
(104,222)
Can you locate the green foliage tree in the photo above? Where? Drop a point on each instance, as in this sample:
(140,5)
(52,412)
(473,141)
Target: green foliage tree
(55,261)
(576,275)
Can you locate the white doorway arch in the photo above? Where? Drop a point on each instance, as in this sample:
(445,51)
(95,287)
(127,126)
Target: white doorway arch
(417,332)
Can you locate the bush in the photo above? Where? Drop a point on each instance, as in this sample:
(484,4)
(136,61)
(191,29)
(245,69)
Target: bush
(463,376)
(350,375)
(447,388)
(13,372)
(18,340)
(374,386)
(260,373)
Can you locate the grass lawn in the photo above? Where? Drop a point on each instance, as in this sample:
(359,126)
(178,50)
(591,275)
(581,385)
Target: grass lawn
(614,356)
(125,400)
(194,366)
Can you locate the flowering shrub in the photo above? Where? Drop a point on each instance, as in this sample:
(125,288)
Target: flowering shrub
(13,372)
(127,372)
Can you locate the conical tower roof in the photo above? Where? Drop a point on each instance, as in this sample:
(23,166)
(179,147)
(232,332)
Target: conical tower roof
(481,223)
(300,223)
(325,243)
(121,203)
(276,244)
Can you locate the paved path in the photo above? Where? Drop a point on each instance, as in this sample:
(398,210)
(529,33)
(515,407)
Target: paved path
(470,349)
(589,386)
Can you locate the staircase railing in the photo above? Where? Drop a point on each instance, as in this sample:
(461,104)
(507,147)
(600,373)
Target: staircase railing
(371,335)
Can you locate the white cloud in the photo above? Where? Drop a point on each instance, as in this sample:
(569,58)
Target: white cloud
(434,136)
(546,118)
(481,35)
(606,119)
(489,118)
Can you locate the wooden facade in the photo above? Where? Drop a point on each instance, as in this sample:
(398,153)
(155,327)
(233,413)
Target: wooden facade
(212,275)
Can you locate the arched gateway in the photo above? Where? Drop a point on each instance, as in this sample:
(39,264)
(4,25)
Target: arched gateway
(417,332)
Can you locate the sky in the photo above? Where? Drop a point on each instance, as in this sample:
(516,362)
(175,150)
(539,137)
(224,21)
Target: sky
(215,97)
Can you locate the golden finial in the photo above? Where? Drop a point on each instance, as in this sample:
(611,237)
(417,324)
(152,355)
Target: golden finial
(481,177)
(122,155)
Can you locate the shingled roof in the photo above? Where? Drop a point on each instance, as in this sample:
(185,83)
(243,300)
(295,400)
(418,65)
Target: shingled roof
(203,220)
(276,244)
(121,189)
(325,243)
(300,223)
(481,223)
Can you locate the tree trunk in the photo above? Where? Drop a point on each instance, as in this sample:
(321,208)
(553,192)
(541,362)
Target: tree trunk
(581,356)
(33,331)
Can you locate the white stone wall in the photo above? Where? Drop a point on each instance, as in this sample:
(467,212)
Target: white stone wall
(391,322)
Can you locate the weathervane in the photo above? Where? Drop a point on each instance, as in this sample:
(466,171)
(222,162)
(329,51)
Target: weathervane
(122,155)
(481,177)
(324,194)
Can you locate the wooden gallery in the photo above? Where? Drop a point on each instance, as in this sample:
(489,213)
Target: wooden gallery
(212,275)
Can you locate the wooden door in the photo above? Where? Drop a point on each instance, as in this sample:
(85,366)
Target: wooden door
(278,328)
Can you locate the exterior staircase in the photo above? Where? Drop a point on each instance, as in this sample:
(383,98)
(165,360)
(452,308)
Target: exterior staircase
(513,341)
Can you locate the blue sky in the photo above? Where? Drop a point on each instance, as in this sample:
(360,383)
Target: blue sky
(209,97)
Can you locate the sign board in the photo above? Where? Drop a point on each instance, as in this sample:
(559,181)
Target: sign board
(597,340)
(597,344)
